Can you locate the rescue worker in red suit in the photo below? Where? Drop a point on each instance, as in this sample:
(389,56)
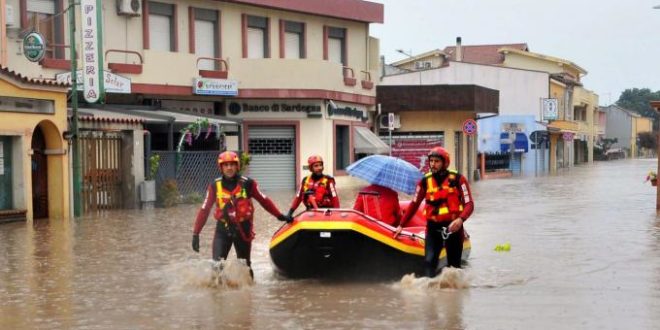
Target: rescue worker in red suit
(379,202)
(232,196)
(316,189)
(448,205)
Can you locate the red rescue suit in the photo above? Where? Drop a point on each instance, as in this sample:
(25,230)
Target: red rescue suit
(321,189)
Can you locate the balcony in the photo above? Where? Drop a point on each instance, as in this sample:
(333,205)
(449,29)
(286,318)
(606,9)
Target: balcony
(56,63)
(367,83)
(349,76)
(131,68)
(221,73)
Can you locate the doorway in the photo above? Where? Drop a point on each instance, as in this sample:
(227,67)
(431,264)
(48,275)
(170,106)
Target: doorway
(39,175)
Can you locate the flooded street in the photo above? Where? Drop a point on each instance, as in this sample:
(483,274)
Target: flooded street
(585,253)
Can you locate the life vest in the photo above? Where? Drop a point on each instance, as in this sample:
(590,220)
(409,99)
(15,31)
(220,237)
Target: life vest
(443,202)
(238,206)
(320,191)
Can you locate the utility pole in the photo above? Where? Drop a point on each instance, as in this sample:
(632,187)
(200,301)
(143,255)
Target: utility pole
(77,180)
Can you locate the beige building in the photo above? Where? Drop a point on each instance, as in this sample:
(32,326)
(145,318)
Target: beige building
(297,75)
(573,134)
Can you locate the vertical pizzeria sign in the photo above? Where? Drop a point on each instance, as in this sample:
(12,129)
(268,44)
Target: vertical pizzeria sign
(92,54)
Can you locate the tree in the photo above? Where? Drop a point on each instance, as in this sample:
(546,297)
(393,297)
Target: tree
(637,99)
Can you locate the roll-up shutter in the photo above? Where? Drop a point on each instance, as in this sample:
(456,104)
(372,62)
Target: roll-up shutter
(273,154)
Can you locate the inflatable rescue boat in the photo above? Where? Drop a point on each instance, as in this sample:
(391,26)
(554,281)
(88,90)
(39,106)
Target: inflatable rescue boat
(347,243)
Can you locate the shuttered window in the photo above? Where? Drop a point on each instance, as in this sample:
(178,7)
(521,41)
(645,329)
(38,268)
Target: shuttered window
(205,43)
(337,45)
(161,26)
(206,37)
(257,35)
(41,17)
(294,40)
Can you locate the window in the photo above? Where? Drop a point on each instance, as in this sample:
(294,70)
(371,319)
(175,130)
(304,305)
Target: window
(342,147)
(162,32)
(336,45)
(206,38)
(257,37)
(41,17)
(294,40)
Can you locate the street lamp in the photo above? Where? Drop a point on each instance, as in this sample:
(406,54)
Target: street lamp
(403,52)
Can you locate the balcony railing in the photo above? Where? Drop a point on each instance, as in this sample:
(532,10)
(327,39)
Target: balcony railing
(56,63)
(221,73)
(367,83)
(131,68)
(349,76)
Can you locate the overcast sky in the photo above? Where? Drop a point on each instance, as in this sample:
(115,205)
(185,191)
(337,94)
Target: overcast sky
(616,41)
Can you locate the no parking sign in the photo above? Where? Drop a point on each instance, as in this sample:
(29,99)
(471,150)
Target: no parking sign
(470,127)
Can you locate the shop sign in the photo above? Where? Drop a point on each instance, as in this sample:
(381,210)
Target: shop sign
(19,104)
(209,86)
(92,57)
(549,109)
(111,82)
(347,111)
(236,108)
(34,47)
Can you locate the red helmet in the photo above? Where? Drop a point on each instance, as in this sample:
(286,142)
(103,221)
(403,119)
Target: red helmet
(227,157)
(313,159)
(442,153)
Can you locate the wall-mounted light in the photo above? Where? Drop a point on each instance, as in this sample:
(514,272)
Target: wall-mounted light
(67,135)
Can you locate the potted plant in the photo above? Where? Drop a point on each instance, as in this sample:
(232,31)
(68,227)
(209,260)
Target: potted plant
(653,177)
(148,187)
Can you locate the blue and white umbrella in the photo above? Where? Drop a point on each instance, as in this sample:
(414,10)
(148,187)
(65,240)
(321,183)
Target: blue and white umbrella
(387,171)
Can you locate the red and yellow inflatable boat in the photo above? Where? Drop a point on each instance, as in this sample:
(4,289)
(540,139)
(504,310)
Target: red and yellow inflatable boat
(348,243)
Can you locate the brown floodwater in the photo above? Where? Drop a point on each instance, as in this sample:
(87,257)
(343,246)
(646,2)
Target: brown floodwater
(585,253)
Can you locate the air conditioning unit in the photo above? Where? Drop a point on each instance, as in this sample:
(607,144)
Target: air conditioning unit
(129,7)
(421,65)
(384,121)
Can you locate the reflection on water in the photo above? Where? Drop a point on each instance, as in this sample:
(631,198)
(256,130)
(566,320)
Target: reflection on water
(585,253)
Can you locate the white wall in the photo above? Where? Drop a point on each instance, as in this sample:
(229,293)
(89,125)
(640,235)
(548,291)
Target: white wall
(520,90)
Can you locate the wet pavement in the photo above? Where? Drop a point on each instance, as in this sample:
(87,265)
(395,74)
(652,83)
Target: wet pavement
(585,253)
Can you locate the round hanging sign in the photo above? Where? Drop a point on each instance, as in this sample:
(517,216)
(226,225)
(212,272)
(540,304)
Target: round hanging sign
(470,127)
(34,47)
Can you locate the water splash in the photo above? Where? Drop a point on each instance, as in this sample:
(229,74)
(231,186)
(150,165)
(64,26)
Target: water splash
(450,278)
(224,274)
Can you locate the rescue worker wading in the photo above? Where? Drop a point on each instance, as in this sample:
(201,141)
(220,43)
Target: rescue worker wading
(448,204)
(316,188)
(232,195)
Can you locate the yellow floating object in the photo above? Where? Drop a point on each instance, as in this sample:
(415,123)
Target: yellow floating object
(503,247)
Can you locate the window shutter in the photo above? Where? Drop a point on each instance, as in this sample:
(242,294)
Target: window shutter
(205,43)
(255,43)
(292,45)
(334,50)
(159,33)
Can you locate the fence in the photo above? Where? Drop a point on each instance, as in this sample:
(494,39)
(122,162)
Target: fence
(192,170)
(101,168)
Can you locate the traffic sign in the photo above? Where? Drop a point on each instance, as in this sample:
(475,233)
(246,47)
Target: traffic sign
(470,127)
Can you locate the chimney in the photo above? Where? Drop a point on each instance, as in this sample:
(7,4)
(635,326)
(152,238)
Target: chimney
(459,50)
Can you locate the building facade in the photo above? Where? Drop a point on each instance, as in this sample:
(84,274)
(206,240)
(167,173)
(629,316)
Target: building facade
(34,159)
(624,125)
(285,70)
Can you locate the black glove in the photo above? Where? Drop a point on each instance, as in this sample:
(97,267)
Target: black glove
(286,218)
(195,243)
(290,213)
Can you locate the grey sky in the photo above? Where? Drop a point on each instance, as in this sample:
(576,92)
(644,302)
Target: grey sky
(616,41)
